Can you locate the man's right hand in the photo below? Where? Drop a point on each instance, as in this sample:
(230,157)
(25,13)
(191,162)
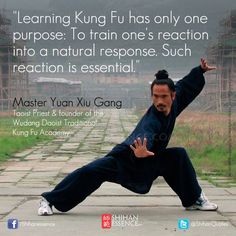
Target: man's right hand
(140,149)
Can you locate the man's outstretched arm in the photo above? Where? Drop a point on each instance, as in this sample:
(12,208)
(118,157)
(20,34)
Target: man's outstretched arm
(188,88)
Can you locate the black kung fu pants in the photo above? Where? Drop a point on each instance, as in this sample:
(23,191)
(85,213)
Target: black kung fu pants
(172,163)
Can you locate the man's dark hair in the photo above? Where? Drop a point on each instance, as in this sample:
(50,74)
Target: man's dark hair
(162,77)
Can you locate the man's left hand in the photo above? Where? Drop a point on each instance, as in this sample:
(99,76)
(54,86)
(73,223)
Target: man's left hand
(205,66)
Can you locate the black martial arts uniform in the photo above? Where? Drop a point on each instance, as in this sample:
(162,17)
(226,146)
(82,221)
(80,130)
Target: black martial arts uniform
(121,166)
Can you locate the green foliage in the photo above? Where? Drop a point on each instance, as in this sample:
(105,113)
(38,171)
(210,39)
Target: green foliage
(206,138)
(10,143)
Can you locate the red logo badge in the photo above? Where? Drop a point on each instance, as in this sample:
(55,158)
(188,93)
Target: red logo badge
(106,221)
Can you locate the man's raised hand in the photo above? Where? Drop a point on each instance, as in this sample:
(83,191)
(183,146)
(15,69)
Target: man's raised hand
(140,149)
(205,66)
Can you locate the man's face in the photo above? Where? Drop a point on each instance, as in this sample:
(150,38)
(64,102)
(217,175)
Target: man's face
(162,98)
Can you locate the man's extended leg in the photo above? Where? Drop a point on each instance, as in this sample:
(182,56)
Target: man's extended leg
(75,187)
(179,173)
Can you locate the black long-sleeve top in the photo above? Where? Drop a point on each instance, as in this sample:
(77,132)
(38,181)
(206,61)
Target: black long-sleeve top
(135,173)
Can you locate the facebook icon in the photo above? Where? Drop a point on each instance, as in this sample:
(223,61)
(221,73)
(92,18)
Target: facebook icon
(12,223)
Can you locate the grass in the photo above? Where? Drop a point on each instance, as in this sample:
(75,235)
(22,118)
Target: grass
(206,138)
(10,143)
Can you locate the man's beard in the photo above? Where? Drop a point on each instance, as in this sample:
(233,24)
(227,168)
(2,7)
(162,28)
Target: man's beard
(161,107)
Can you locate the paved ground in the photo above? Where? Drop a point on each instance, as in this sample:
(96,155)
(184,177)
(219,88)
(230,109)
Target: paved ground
(38,169)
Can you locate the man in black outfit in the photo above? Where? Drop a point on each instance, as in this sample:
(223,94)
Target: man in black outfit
(143,156)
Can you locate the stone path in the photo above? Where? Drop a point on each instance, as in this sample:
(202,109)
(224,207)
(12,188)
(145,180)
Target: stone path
(38,169)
